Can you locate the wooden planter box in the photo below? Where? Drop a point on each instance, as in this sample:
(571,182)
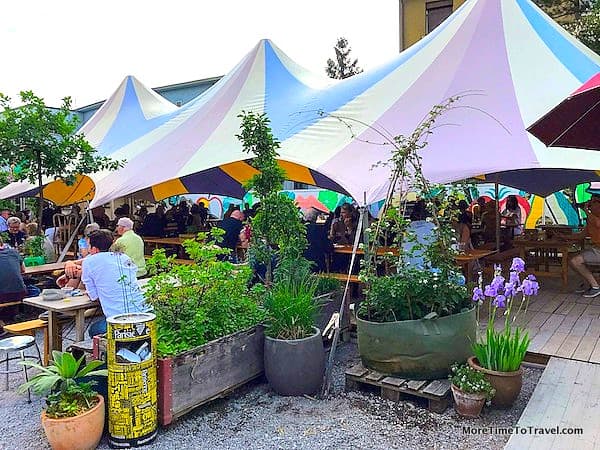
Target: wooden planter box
(208,372)
(205,373)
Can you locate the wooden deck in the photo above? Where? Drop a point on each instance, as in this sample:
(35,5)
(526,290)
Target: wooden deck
(562,412)
(561,323)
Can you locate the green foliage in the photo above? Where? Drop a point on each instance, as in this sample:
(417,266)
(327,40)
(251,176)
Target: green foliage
(34,246)
(504,350)
(471,381)
(200,302)
(68,395)
(37,141)
(412,294)
(326,285)
(343,66)
(586,27)
(290,304)
(276,227)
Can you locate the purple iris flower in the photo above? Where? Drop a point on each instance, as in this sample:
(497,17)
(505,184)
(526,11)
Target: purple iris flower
(498,283)
(518,265)
(490,291)
(530,287)
(510,289)
(478,295)
(514,278)
(499,301)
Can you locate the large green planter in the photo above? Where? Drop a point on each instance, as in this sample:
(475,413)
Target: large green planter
(418,349)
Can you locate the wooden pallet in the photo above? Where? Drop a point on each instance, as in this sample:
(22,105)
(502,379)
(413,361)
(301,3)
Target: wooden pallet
(435,392)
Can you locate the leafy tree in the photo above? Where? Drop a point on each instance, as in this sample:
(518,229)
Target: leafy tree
(343,66)
(276,227)
(587,27)
(38,142)
(581,18)
(564,11)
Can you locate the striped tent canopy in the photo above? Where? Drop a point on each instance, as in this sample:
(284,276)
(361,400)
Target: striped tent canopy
(131,111)
(511,62)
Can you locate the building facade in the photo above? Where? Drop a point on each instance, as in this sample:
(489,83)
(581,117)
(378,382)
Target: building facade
(420,17)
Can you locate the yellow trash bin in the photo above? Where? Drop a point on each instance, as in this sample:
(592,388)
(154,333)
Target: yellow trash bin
(132,389)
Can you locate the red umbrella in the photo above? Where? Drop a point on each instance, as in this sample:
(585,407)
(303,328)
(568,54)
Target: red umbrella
(574,122)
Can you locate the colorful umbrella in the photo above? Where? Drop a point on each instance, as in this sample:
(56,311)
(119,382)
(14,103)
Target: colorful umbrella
(574,122)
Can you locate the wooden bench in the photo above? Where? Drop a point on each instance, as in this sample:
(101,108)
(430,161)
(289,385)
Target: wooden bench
(503,258)
(340,276)
(29,328)
(7,304)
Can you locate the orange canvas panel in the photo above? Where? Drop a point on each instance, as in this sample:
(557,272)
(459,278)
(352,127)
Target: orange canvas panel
(168,189)
(240,171)
(61,194)
(296,172)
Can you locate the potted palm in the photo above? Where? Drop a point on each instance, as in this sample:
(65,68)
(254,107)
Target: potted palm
(470,390)
(74,414)
(416,319)
(500,353)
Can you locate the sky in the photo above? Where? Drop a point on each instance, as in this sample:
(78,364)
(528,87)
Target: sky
(84,48)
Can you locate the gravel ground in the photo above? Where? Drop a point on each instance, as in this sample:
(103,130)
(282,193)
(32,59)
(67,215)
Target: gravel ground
(254,417)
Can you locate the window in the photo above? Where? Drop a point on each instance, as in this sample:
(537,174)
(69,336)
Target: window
(436,12)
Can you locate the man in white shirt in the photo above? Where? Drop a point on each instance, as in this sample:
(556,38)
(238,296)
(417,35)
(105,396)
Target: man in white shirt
(4,215)
(110,277)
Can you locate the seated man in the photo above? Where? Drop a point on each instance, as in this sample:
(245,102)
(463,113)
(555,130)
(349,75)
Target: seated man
(589,255)
(130,244)
(110,277)
(16,237)
(12,287)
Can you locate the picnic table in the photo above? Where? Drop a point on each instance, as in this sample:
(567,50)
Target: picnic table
(44,268)
(545,252)
(158,242)
(70,305)
(466,258)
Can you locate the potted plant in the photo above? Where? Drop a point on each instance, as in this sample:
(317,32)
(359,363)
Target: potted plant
(470,390)
(416,319)
(500,354)
(209,340)
(294,354)
(34,249)
(74,414)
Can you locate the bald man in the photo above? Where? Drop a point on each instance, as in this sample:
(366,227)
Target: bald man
(130,244)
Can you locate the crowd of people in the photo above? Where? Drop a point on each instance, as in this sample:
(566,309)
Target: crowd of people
(106,268)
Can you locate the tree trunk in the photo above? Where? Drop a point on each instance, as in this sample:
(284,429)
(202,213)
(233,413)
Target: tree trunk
(41,193)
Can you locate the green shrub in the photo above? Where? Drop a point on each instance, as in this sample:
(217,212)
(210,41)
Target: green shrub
(200,302)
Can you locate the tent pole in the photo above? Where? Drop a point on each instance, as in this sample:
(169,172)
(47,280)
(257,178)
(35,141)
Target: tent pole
(544,211)
(497,215)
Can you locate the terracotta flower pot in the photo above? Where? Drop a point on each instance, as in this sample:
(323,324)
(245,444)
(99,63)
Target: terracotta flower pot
(467,404)
(507,384)
(82,432)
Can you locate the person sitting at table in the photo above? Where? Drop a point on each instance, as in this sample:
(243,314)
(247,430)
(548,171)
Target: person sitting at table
(319,246)
(83,245)
(130,244)
(478,209)
(110,278)
(154,223)
(343,230)
(32,231)
(100,217)
(590,255)
(423,231)
(16,237)
(12,287)
(488,221)
(512,216)
(4,215)
(232,226)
